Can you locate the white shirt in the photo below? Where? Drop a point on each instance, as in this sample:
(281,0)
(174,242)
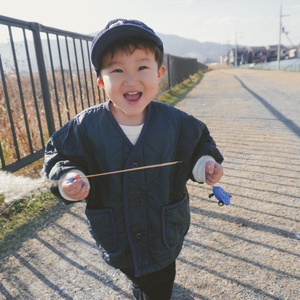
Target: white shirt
(132,132)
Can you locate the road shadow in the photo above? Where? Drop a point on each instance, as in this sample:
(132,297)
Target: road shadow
(57,250)
(286,121)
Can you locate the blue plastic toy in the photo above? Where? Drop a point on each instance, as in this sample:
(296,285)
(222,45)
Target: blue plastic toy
(72,180)
(221,195)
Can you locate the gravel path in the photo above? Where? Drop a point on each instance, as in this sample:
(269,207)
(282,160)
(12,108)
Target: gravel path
(248,250)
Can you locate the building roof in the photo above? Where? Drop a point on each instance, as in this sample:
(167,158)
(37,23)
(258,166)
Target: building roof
(257,48)
(274,47)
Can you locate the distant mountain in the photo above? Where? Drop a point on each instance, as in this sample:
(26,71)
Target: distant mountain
(174,45)
(203,51)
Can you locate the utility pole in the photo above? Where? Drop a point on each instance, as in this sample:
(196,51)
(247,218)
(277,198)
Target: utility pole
(235,56)
(280,31)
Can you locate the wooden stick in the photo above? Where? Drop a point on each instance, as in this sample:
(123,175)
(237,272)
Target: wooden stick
(127,170)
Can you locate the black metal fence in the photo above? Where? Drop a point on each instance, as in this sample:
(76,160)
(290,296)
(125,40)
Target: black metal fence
(46,79)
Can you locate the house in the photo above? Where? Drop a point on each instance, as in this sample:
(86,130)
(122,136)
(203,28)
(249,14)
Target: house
(242,56)
(257,55)
(273,50)
(224,59)
(294,52)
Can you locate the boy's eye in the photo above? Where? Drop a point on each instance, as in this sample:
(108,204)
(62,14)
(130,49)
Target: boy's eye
(117,71)
(142,68)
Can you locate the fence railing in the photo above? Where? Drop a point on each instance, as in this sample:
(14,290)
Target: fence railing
(46,79)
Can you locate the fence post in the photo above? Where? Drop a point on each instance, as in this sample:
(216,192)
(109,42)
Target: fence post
(43,76)
(169,71)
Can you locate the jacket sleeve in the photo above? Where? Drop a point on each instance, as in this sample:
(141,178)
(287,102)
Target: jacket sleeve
(64,152)
(205,146)
(194,142)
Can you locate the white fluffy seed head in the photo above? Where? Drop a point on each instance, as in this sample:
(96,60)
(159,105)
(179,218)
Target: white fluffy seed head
(16,188)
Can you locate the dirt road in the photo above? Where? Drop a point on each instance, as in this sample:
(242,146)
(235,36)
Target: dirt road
(248,250)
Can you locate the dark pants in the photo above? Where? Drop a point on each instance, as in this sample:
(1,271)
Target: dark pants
(153,286)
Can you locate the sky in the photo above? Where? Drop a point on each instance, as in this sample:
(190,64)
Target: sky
(249,23)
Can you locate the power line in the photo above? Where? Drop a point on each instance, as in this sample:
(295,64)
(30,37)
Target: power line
(286,33)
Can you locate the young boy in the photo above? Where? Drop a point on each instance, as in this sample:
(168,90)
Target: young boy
(140,218)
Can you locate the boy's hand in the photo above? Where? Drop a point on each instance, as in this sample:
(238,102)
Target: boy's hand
(213,172)
(78,189)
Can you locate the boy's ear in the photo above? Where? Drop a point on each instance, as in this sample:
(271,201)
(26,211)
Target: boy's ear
(100,81)
(161,72)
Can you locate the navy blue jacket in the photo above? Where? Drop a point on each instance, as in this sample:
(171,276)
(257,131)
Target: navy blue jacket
(138,219)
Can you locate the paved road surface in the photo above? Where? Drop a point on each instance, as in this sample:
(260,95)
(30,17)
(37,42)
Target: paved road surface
(248,250)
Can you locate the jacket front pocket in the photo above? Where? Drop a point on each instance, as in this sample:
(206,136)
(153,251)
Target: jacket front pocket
(102,227)
(175,222)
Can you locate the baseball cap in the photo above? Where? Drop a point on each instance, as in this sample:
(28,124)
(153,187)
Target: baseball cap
(116,29)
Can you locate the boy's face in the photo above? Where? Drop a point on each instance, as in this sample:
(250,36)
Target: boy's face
(131,82)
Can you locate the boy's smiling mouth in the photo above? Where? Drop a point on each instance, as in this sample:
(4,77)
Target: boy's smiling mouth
(133,96)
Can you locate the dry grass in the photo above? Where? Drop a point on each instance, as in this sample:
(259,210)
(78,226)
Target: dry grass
(179,92)
(65,101)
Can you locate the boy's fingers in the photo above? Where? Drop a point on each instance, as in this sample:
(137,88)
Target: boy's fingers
(219,169)
(210,167)
(75,186)
(75,190)
(83,193)
(214,172)
(216,168)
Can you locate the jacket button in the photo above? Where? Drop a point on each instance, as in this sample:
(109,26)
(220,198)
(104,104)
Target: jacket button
(135,165)
(138,236)
(137,201)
